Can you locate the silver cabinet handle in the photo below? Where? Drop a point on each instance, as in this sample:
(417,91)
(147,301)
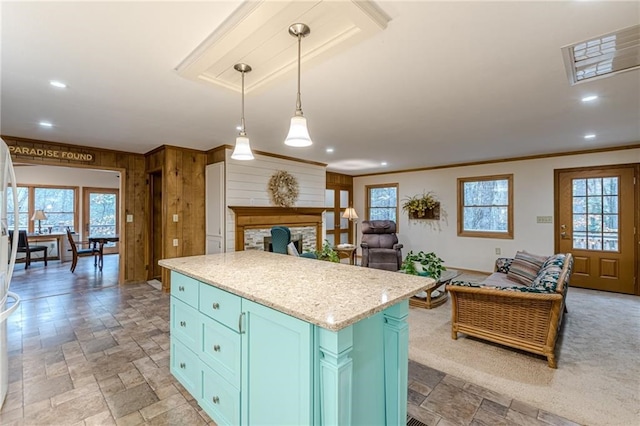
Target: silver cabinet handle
(215,400)
(215,305)
(216,348)
(240,322)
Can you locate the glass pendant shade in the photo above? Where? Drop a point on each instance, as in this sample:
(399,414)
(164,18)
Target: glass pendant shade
(298,134)
(242,151)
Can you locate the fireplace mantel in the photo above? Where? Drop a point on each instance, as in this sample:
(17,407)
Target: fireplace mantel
(256,217)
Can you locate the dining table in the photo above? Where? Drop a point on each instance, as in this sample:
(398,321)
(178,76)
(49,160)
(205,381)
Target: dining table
(98,241)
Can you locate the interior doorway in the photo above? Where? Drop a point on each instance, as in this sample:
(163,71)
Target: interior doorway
(596,221)
(155,225)
(33,173)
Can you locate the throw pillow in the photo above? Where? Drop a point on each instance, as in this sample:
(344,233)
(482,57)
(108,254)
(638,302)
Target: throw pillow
(525,267)
(292,250)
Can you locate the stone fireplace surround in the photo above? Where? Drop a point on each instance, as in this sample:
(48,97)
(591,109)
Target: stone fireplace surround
(258,219)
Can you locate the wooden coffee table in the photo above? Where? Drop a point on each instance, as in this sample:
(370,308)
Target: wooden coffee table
(429,301)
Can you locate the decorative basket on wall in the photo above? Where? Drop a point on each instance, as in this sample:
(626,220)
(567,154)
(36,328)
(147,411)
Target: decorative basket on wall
(429,214)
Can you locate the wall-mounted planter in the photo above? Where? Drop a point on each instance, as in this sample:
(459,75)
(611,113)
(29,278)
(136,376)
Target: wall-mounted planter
(429,214)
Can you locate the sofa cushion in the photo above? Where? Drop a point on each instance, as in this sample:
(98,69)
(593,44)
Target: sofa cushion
(525,267)
(547,279)
(503,264)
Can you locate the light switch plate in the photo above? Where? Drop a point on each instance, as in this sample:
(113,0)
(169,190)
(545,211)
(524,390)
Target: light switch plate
(175,242)
(175,217)
(544,219)
(129,218)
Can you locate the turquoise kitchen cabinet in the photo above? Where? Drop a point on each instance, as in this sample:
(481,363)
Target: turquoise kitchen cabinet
(280,340)
(277,365)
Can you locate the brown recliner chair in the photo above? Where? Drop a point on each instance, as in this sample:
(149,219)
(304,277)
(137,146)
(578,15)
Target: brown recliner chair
(380,248)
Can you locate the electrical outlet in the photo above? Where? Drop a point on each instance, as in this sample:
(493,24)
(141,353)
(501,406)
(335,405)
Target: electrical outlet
(544,219)
(175,217)
(498,251)
(175,242)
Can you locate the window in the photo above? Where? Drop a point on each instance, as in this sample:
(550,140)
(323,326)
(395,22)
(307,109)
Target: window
(596,213)
(59,205)
(382,202)
(23,208)
(485,206)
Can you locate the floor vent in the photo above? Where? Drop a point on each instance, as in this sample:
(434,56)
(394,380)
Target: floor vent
(413,422)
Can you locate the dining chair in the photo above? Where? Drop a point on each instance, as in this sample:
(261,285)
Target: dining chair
(77,250)
(27,249)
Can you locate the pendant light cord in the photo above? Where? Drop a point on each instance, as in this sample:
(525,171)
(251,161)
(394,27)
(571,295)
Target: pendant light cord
(242,130)
(298,102)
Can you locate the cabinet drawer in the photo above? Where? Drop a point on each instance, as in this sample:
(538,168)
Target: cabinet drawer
(220,305)
(185,288)
(221,350)
(220,399)
(185,324)
(185,366)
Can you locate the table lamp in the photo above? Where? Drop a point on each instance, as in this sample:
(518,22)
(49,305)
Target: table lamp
(350,213)
(39,216)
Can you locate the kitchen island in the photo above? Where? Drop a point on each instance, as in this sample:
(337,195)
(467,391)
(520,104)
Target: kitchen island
(264,338)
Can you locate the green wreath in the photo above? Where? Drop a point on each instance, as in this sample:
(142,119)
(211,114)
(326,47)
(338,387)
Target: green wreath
(283,189)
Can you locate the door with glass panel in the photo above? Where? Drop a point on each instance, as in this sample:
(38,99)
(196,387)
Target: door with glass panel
(596,220)
(336,201)
(100,214)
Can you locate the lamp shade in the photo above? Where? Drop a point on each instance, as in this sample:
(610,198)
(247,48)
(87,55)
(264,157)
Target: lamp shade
(350,213)
(39,215)
(242,151)
(298,134)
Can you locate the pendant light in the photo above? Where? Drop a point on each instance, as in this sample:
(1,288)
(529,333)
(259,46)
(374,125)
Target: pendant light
(298,134)
(242,151)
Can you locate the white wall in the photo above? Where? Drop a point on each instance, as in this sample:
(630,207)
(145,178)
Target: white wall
(533,196)
(67,176)
(246,185)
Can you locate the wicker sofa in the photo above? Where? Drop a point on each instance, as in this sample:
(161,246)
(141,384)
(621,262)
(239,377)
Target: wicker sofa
(516,315)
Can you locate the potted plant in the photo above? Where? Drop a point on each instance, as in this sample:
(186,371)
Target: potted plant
(421,263)
(327,253)
(424,206)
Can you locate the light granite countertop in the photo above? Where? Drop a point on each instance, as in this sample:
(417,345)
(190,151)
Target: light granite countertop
(330,295)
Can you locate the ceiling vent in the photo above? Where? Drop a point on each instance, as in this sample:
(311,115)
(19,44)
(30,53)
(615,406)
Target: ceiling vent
(257,33)
(603,56)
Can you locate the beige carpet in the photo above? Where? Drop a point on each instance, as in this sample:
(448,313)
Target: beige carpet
(598,377)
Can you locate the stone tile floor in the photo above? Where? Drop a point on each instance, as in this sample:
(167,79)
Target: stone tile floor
(84,351)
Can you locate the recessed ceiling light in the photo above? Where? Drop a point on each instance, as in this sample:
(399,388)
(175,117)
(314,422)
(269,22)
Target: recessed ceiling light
(384,163)
(59,84)
(329,150)
(590,136)
(589,98)
(45,124)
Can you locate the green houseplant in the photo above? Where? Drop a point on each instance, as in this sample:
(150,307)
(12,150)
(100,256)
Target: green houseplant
(424,206)
(421,263)
(327,253)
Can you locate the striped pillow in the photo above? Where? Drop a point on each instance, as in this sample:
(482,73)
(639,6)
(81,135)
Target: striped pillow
(525,267)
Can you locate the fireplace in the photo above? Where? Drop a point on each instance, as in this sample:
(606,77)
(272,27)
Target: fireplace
(295,239)
(250,219)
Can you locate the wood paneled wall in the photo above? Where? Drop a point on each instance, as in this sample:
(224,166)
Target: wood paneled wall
(183,194)
(133,195)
